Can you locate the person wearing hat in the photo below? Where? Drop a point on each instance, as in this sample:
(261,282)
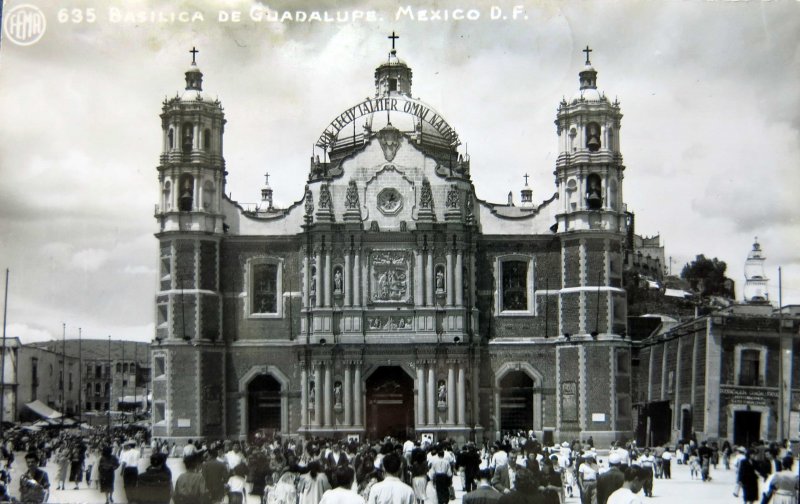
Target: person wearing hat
(587,478)
(610,480)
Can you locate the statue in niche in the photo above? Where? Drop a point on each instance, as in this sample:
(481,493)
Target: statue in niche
(312,394)
(337,280)
(337,393)
(442,392)
(313,286)
(439,279)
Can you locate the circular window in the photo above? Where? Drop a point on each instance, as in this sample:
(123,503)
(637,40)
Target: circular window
(389,201)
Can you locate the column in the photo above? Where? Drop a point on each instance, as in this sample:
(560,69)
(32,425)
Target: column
(356,280)
(196,192)
(307,290)
(429,279)
(357,394)
(303,397)
(348,402)
(328,399)
(459,278)
(431,394)
(327,278)
(365,283)
(418,295)
(448,278)
(346,279)
(461,385)
(196,138)
(451,395)
(317,395)
(420,394)
(318,297)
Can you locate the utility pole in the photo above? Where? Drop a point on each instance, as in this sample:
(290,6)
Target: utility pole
(3,362)
(63,371)
(80,378)
(110,381)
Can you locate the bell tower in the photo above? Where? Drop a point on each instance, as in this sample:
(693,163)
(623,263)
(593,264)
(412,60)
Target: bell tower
(591,217)
(188,345)
(589,167)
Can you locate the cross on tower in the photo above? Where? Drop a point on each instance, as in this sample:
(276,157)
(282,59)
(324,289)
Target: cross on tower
(194,53)
(587,51)
(526,178)
(393,37)
(266,176)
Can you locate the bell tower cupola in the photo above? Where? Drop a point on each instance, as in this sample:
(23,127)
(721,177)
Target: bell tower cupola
(589,168)
(393,77)
(192,168)
(755,280)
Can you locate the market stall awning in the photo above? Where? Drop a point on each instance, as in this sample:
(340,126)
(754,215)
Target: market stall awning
(43,410)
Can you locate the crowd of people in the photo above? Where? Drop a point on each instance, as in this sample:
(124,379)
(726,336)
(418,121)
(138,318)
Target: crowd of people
(516,469)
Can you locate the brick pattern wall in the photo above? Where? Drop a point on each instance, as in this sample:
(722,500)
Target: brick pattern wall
(598,375)
(572,265)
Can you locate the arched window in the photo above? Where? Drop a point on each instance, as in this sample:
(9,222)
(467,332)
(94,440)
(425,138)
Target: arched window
(171,138)
(593,136)
(186,199)
(119,367)
(188,137)
(594,195)
(206,139)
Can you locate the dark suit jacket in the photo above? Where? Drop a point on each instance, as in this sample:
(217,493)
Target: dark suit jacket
(483,495)
(608,483)
(501,480)
(216,475)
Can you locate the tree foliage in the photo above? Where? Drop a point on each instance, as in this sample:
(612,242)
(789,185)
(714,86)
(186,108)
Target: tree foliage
(707,276)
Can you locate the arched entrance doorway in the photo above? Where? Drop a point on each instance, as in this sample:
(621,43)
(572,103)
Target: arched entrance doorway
(516,401)
(263,404)
(390,403)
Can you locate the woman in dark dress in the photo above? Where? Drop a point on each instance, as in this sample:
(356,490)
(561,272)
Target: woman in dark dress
(748,478)
(105,469)
(259,468)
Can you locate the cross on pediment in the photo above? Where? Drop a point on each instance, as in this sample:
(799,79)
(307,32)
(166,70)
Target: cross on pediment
(194,53)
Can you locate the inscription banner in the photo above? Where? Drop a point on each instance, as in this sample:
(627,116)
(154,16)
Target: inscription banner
(395,104)
(750,395)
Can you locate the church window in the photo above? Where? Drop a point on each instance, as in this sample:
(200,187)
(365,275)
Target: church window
(97,389)
(186,200)
(594,195)
(188,137)
(265,287)
(171,138)
(206,139)
(515,289)
(392,84)
(748,374)
(119,367)
(750,365)
(593,136)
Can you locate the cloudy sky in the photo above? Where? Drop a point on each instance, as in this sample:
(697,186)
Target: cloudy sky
(709,134)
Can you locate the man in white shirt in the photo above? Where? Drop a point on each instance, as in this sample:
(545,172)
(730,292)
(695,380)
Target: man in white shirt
(499,458)
(391,490)
(630,488)
(234,456)
(343,493)
(189,449)
(129,463)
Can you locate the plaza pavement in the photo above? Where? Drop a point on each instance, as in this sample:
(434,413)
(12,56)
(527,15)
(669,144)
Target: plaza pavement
(681,489)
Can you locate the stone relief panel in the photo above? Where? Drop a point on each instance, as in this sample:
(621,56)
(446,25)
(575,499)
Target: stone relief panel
(390,276)
(390,323)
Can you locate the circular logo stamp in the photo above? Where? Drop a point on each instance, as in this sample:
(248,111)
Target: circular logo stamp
(24,24)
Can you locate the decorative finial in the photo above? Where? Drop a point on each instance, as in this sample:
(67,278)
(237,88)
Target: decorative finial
(393,37)
(526,179)
(194,53)
(587,51)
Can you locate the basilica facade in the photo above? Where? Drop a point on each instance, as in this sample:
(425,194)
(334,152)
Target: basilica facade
(390,299)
